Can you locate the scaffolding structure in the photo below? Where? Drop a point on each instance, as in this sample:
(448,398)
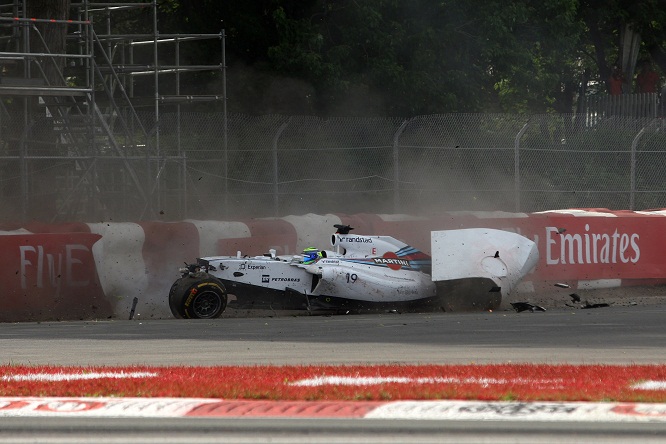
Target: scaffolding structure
(80,133)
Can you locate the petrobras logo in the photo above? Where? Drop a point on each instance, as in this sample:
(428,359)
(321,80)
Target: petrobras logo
(591,247)
(283,279)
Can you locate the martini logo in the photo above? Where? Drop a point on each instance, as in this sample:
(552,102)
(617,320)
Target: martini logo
(392,261)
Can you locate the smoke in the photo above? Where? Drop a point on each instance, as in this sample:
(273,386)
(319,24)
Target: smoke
(252,91)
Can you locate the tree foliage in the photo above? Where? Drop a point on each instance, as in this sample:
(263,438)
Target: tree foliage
(404,58)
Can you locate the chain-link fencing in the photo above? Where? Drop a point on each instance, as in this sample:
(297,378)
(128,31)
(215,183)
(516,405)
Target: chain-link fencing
(208,166)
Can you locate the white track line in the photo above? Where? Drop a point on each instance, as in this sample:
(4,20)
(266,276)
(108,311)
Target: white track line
(376,380)
(56,377)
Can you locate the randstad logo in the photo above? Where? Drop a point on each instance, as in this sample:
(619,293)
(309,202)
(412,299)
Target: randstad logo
(361,240)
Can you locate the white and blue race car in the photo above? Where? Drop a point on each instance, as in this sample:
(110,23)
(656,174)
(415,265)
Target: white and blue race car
(358,274)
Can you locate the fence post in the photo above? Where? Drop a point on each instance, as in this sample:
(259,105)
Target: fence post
(632,169)
(276,195)
(23,170)
(226,124)
(396,166)
(516,166)
(184,210)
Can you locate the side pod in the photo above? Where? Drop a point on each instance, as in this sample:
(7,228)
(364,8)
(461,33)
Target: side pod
(473,269)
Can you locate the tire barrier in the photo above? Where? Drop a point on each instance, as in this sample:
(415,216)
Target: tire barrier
(95,270)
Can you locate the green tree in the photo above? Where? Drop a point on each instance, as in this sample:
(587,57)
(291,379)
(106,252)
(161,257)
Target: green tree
(607,41)
(529,48)
(403,58)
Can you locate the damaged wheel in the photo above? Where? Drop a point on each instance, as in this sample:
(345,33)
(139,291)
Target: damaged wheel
(197,298)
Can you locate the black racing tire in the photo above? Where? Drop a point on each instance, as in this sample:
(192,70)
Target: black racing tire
(176,288)
(197,298)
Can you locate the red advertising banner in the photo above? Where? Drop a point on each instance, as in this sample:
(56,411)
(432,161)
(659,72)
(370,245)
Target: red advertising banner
(50,276)
(593,248)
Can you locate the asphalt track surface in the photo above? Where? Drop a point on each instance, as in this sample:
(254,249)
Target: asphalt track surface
(611,335)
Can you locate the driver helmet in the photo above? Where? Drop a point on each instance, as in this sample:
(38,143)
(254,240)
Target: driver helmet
(311,255)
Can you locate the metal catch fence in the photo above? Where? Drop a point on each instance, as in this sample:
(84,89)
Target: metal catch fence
(209,167)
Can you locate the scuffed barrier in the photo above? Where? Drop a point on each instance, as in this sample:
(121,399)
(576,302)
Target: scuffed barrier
(258,237)
(586,248)
(120,263)
(167,246)
(50,276)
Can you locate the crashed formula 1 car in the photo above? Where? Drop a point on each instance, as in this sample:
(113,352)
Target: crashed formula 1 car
(470,269)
